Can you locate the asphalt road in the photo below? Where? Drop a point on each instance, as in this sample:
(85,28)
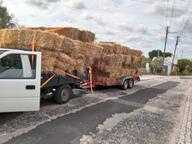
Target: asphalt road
(70,128)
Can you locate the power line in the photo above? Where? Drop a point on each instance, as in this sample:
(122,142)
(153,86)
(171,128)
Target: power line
(178,32)
(172,15)
(181,32)
(173,9)
(167,13)
(187,20)
(184,26)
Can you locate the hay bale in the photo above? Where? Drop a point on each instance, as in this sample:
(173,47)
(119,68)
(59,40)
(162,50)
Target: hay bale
(62,54)
(49,60)
(114,48)
(72,33)
(114,66)
(58,52)
(87,36)
(25,38)
(117,60)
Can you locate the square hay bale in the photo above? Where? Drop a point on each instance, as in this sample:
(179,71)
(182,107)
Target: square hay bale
(62,54)
(70,32)
(113,48)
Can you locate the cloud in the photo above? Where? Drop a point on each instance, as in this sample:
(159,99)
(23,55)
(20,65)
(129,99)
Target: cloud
(163,8)
(43,4)
(139,29)
(79,5)
(186,23)
(75,4)
(136,23)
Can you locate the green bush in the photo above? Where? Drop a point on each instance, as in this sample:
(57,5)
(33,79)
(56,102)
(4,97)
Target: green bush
(184,67)
(156,66)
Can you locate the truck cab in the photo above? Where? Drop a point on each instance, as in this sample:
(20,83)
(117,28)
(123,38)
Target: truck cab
(20,80)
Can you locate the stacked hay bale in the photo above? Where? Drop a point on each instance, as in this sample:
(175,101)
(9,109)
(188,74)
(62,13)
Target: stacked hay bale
(62,54)
(59,53)
(117,61)
(73,33)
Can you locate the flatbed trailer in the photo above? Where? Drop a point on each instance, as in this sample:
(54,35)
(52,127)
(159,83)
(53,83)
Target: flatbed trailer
(125,82)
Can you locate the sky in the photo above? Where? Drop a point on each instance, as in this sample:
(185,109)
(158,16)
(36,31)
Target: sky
(138,24)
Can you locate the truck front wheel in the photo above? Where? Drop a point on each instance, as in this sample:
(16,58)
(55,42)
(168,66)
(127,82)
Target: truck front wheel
(63,94)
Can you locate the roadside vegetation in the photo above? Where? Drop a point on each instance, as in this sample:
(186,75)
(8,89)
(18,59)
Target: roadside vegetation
(184,67)
(158,53)
(155,62)
(5,17)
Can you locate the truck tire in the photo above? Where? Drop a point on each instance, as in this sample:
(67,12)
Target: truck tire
(130,83)
(125,85)
(63,94)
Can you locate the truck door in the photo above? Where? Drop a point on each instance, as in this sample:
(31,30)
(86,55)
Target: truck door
(20,76)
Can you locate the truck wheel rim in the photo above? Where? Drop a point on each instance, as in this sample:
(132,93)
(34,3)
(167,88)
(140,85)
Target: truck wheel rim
(125,84)
(130,83)
(64,95)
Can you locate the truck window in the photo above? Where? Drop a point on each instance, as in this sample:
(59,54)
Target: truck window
(11,67)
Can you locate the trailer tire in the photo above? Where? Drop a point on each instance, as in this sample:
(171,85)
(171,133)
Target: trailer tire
(63,94)
(130,83)
(125,85)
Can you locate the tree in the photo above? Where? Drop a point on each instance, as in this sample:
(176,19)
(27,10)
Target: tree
(156,53)
(156,65)
(168,54)
(5,17)
(184,67)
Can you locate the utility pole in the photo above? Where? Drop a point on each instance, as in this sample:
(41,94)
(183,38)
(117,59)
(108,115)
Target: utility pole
(176,45)
(165,46)
(157,53)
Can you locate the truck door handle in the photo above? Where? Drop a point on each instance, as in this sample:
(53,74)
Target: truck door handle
(30,87)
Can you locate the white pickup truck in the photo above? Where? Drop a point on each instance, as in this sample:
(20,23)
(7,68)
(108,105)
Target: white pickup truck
(22,84)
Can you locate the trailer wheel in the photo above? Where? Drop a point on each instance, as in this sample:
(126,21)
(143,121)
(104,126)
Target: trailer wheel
(63,94)
(130,83)
(125,85)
